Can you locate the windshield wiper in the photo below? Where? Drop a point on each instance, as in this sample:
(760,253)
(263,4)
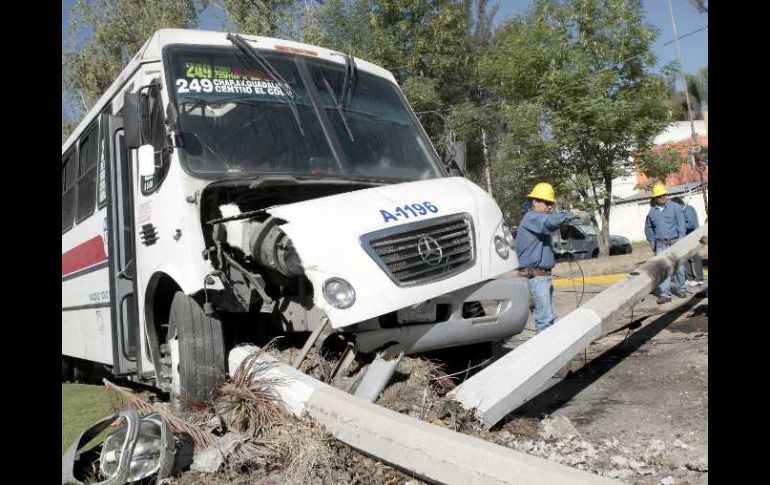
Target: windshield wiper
(265,65)
(350,81)
(339,108)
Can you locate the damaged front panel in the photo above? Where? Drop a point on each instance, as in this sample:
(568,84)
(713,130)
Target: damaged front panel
(330,237)
(362,253)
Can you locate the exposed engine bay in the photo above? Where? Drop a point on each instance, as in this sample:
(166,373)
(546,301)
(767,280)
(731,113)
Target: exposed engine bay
(253,256)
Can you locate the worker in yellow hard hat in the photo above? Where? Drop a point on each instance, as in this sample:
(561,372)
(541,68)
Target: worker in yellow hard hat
(535,252)
(662,228)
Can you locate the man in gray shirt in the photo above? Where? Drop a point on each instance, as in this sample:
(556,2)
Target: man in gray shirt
(663,227)
(693,270)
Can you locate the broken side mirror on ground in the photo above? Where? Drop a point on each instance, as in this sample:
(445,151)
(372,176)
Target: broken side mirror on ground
(139,448)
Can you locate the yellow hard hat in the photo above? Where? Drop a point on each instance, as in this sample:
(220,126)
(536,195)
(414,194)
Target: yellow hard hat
(543,191)
(658,190)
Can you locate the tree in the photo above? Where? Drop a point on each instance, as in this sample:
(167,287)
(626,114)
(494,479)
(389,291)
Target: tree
(697,86)
(264,17)
(584,65)
(660,163)
(118,30)
(432,47)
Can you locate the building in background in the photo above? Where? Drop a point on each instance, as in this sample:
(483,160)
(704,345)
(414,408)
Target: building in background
(632,202)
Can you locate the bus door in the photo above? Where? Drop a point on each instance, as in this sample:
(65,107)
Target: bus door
(120,224)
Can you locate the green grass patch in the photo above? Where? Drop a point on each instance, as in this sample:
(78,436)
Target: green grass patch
(81,406)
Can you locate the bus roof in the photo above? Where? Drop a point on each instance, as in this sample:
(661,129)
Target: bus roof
(151,52)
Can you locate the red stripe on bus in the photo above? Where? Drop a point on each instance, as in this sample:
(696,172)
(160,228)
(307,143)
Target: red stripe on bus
(84,255)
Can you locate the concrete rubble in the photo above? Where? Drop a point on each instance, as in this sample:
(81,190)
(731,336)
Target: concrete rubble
(558,440)
(558,427)
(212,458)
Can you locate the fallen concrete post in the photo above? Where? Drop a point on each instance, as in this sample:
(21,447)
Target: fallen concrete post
(513,379)
(425,450)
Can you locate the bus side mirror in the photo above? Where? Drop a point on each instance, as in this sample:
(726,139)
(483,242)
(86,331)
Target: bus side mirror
(132,122)
(456,151)
(146,157)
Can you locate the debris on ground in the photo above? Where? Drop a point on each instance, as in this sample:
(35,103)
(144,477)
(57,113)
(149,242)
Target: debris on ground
(137,448)
(558,427)
(247,436)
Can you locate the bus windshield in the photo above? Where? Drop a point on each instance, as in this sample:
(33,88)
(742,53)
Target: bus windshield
(236,119)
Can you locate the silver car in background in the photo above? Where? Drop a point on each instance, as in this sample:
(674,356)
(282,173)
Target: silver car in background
(580,241)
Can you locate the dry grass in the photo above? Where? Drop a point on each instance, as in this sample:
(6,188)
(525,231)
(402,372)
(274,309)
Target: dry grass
(249,402)
(305,451)
(123,398)
(418,377)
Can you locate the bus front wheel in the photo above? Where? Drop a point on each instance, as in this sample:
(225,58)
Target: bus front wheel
(201,354)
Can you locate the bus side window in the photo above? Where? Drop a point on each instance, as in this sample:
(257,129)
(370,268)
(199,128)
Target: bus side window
(157,137)
(69,169)
(87,174)
(102,182)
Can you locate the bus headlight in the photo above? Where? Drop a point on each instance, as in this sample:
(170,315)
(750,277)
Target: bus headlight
(501,246)
(508,235)
(339,293)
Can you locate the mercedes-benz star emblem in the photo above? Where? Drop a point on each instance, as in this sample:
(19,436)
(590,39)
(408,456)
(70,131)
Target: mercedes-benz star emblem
(430,250)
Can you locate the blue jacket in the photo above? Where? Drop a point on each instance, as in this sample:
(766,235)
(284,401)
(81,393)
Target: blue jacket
(690,219)
(533,239)
(664,223)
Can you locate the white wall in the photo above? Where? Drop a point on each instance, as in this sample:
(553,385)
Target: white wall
(680,130)
(624,186)
(628,219)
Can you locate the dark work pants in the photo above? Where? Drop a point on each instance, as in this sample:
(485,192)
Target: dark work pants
(693,268)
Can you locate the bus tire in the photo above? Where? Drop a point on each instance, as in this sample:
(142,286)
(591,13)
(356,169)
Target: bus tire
(201,349)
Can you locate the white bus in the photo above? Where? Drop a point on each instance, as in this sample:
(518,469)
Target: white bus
(227,187)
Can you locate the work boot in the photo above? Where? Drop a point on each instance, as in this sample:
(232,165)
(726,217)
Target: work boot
(663,299)
(682,294)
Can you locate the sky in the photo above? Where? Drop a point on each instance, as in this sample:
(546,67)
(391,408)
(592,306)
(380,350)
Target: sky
(694,47)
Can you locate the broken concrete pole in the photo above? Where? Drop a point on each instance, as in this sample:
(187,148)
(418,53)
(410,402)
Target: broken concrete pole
(377,377)
(513,379)
(425,450)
